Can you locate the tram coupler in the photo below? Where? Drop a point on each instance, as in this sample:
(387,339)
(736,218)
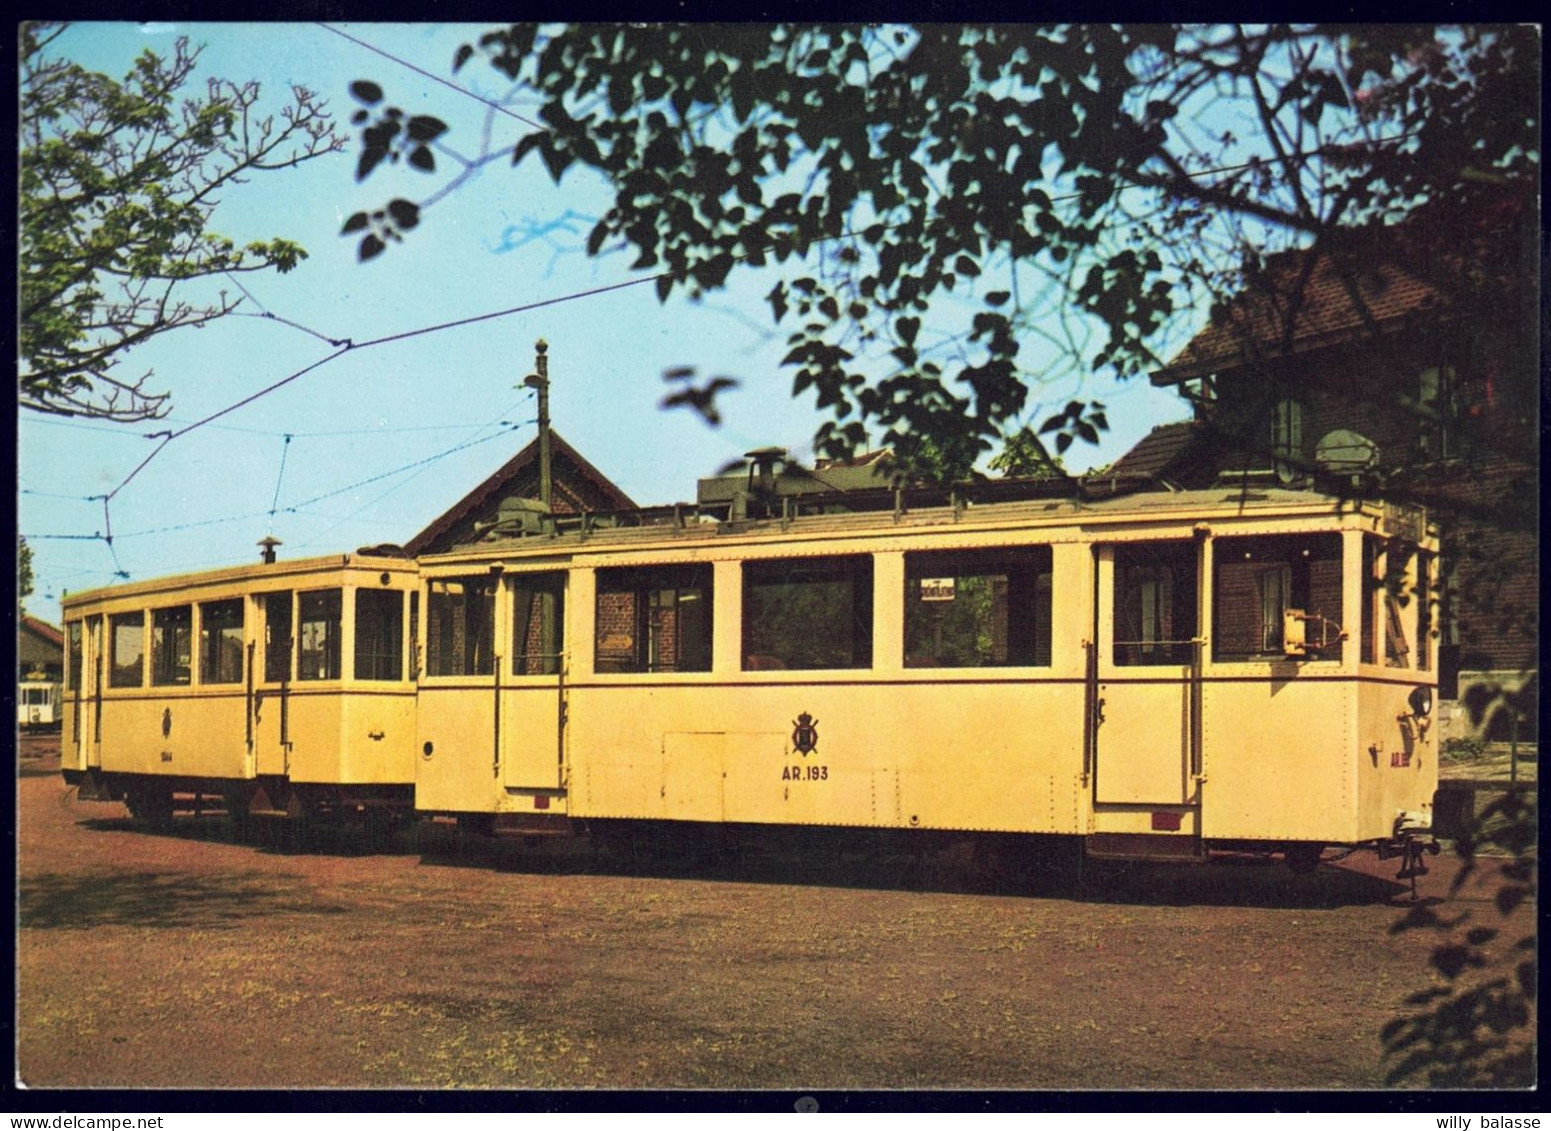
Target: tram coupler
(1412,845)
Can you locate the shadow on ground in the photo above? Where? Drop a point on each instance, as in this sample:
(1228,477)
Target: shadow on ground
(53,901)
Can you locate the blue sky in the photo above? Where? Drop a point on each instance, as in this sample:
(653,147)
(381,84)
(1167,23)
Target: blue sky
(444,406)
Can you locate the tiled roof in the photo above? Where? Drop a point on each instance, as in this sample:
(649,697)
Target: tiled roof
(43,629)
(1155,453)
(508,471)
(1340,300)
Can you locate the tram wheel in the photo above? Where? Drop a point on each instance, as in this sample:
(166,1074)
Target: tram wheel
(150,806)
(1303,858)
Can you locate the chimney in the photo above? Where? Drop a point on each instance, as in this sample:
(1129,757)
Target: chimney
(268,544)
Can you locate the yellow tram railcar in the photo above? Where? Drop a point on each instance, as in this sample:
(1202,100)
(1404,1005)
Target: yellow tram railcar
(1159,674)
(284,688)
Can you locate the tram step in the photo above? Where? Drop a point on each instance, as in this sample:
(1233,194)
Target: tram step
(1143,846)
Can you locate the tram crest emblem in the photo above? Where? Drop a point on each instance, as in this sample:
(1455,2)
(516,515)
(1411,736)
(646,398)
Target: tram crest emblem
(805,734)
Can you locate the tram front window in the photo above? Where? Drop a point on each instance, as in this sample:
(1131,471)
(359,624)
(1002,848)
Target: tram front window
(1155,603)
(128,668)
(807,613)
(654,619)
(538,623)
(317,654)
(1257,579)
(982,608)
(379,634)
(172,634)
(460,626)
(220,641)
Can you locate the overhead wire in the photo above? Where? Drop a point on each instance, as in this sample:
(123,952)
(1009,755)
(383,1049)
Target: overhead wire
(347,345)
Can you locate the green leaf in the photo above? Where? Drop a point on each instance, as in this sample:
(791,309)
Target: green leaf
(356,222)
(370,248)
(365,91)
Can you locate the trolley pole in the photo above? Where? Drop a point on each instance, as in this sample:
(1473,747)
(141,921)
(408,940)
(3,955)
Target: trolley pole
(539,380)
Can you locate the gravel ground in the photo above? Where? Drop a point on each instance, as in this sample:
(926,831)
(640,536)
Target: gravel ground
(187,961)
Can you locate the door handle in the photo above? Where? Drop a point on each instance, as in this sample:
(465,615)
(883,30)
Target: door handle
(1098,712)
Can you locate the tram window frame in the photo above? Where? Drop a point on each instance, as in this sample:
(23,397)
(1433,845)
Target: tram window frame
(780,596)
(379,635)
(669,607)
(172,643)
(279,614)
(451,649)
(74,654)
(544,592)
(125,670)
(1302,571)
(1017,628)
(218,662)
(319,616)
(1164,578)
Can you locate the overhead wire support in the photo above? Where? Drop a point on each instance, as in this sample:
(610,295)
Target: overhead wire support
(284,451)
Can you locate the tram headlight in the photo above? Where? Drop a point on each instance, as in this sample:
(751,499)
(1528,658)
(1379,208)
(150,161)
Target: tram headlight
(1421,701)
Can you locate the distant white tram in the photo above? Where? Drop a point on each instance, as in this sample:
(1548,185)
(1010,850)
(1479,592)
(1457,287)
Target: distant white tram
(37,704)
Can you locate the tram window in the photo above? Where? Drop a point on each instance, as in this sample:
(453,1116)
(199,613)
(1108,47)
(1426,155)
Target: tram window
(654,619)
(979,608)
(317,655)
(172,638)
(538,623)
(277,637)
(1424,612)
(128,650)
(807,613)
(73,663)
(1397,596)
(1155,603)
(1257,579)
(460,628)
(220,641)
(379,634)
(414,635)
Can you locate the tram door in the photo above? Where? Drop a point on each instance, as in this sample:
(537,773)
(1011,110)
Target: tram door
(272,668)
(1144,687)
(532,685)
(88,710)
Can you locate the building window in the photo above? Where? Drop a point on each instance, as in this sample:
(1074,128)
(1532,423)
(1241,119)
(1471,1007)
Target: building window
(1258,579)
(1287,436)
(1155,603)
(538,623)
(128,631)
(460,628)
(379,634)
(220,641)
(317,653)
(654,619)
(172,638)
(807,614)
(978,609)
(1435,404)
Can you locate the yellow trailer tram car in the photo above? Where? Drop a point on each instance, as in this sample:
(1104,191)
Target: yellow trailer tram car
(1159,674)
(281,688)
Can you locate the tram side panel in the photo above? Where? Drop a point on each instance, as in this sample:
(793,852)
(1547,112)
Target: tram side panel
(351,738)
(1396,757)
(962,755)
(186,736)
(1277,757)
